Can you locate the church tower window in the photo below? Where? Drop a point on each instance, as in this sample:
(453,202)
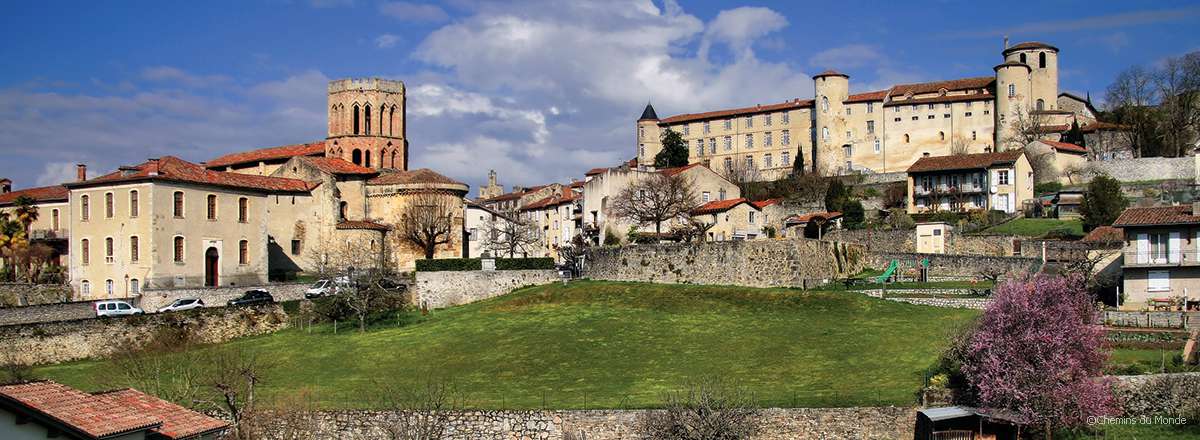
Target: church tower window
(1042,60)
(356,119)
(367,119)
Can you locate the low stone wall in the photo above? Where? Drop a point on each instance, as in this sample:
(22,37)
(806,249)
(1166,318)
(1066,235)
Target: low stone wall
(154,299)
(791,262)
(950,302)
(47,313)
(904,241)
(943,265)
(62,341)
(1169,320)
(1159,394)
(452,288)
(22,294)
(777,424)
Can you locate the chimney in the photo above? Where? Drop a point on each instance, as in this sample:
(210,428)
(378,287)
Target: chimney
(518,188)
(5,186)
(1006,42)
(80,172)
(152,166)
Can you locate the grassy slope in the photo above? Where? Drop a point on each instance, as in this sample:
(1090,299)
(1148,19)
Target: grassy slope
(617,345)
(1035,227)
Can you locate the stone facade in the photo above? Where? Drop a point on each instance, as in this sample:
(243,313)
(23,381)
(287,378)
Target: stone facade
(945,265)
(1159,394)
(601,189)
(777,424)
(63,341)
(453,288)
(904,241)
(757,263)
(21,294)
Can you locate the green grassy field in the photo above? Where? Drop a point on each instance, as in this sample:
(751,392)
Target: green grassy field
(614,345)
(1035,227)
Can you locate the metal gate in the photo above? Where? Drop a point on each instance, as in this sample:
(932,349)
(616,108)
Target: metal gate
(953,435)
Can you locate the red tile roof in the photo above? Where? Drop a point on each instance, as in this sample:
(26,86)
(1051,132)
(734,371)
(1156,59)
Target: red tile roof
(337,165)
(595,171)
(877,95)
(805,218)
(942,99)
(717,206)
(1029,45)
(1104,234)
(979,82)
(688,117)
(964,161)
(89,414)
(361,224)
(567,195)
(56,193)
(268,154)
(671,172)
(830,72)
(174,169)
(1065,147)
(765,203)
(1157,216)
(420,175)
(177,422)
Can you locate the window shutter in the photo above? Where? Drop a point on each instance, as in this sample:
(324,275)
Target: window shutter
(1173,248)
(1143,248)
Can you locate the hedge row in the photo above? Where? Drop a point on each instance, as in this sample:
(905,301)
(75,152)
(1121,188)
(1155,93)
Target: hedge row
(464,264)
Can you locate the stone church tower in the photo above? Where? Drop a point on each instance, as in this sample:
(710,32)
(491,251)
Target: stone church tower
(367,123)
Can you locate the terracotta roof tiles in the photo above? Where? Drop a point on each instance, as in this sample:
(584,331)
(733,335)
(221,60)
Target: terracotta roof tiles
(688,117)
(877,95)
(93,416)
(265,154)
(671,172)
(1029,45)
(56,193)
(177,422)
(765,203)
(964,161)
(718,206)
(173,169)
(1157,216)
(805,218)
(1104,234)
(420,175)
(337,165)
(1066,147)
(979,82)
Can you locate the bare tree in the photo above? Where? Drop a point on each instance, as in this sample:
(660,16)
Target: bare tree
(1130,99)
(1041,159)
(654,198)
(421,413)
(428,221)
(743,174)
(808,190)
(694,230)
(959,146)
(1027,126)
(508,235)
(1177,83)
(958,199)
(709,410)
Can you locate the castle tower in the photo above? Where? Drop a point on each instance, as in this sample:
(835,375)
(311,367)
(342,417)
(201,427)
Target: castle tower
(831,89)
(1042,60)
(649,138)
(492,189)
(367,123)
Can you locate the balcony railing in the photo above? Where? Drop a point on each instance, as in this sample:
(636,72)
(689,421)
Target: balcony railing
(49,234)
(1183,258)
(947,189)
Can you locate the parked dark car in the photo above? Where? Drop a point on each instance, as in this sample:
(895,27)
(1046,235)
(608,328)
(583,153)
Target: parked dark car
(391,285)
(252,297)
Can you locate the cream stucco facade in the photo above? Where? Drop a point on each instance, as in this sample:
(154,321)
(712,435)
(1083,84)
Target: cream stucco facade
(602,188)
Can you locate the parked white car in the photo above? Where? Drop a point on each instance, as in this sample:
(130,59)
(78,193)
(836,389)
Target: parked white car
(115,308)
(182,304)
(326,287)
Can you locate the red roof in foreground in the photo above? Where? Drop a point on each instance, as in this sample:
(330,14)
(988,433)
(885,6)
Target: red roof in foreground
(1066,147)
(964,161)
(567,195)
(56,193)
(177,422)
(718,206)
(361,224)
(273,153)
(1104,234)
(1159,215)
(174,169)
(765,203)
(93,415)
(805,218)
(337,165)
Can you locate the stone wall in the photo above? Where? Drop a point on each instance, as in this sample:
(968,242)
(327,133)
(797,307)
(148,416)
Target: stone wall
(905,241)
(22,294)
(1144,168)
(46,313)
(777,424)
(452,288)
(153,299)
(1159,394)
(947,297)
(1168,320)
(943,265)
(62,341)
(754,263)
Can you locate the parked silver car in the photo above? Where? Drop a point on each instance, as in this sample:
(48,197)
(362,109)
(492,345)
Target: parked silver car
(182,304)
(115,308)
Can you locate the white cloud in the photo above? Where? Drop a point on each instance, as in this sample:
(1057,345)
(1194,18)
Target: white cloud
(407,11)
(57,172)
(386,41)
(739,27)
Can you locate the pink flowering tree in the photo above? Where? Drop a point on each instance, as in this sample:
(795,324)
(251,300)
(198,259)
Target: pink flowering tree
(1038,351)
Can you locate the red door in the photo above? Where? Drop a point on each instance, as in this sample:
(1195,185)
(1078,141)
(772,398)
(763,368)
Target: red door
(211,260)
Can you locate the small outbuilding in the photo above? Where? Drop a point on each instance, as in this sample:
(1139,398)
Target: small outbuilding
(931,237)
(965,423)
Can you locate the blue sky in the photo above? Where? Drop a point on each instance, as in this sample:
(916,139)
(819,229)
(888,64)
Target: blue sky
(538,90)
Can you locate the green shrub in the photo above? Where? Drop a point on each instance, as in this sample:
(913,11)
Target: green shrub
(1062,233)
(524,263)
(449,264)
(1047,187)
(610,239)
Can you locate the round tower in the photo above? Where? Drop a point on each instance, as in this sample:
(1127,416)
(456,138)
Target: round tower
(830,88)
(1013,92)
(648,137)
(367,123)
(1042,60)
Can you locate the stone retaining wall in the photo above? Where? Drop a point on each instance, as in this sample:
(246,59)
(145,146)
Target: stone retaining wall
(47,313)
(1159,394)
(154,299)
(62,341)
(22,294)
(1172,320)
(904,241)
(953,303)
(777,424)
(955,265)
(1144,168)
(753,263)
(452,288)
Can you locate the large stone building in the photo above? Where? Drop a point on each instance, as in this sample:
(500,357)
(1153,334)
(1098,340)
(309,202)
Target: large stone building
(838,132)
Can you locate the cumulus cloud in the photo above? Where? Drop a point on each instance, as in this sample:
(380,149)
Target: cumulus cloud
(55,173)
(740,27)
(413,11)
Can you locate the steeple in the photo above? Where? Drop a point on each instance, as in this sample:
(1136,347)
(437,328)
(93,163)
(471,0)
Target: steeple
(648,114)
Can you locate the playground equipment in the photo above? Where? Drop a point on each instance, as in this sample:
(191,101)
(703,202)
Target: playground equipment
(887,274)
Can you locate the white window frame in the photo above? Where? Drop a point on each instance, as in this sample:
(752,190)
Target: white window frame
(1158,281)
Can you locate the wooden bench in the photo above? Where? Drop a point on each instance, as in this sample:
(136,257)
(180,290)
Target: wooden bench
(1162,303)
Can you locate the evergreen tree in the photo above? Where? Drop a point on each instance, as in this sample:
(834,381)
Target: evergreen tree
(1102,203)
(855,214)
(674,152)
(1075,135)
(837,196)
(798,165)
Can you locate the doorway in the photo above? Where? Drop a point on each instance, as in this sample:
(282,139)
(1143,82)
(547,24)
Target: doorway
(211,265)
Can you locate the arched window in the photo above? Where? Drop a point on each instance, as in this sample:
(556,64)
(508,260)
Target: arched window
(85,208)
(394,154)
(133,249)
(383,157)
(108,288)
(212,207)
(108,250)
(367,119)
(133,203)
(85,288)
(356,156)
(178,208)
(85,251)
(355,118)
(1012,90)
(825,103)
(382,113)
(391,120)
(941,135)
(1041,60)
(1041,105)
(108,205)
(54,219)
(367,158)
(1023,59)
(178,249)
(906,138)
